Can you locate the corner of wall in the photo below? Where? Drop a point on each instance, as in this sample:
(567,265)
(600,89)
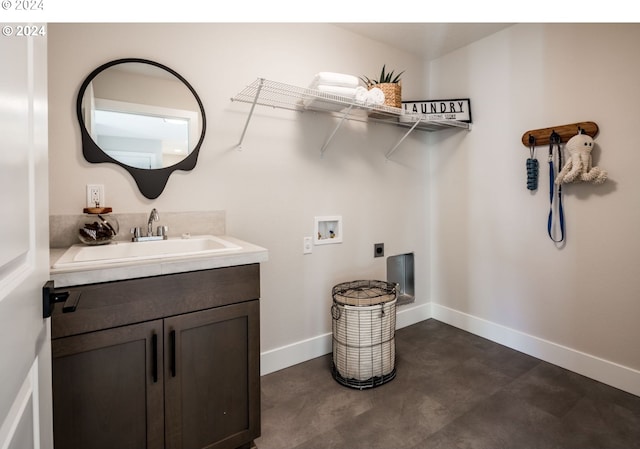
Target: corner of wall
(301,351)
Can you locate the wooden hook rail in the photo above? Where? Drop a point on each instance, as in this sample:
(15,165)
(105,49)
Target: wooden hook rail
(566,132)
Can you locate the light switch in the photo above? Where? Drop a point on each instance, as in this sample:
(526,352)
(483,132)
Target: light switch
(307,245)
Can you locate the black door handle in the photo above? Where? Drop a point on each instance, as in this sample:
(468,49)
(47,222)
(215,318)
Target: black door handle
(154,357)
(172,343)
(50,296)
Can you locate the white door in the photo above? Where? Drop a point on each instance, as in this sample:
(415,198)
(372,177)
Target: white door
(25,360)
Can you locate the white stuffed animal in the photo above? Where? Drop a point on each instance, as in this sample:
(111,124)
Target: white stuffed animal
(578,167)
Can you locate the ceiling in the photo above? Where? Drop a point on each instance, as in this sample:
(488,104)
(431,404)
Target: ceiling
(427,40)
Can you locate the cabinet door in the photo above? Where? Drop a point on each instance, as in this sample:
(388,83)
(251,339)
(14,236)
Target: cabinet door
(107,389)
(212,377)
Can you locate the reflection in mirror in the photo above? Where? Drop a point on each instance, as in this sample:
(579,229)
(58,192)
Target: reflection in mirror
(139,140)
(142,116)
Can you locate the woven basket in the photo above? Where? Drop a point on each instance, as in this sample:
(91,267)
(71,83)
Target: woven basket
(392,94)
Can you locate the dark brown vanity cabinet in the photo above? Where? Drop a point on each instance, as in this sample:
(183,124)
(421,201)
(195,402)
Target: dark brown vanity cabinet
(187,377)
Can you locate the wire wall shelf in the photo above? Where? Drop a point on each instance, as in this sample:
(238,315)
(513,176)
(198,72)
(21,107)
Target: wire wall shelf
(263,92)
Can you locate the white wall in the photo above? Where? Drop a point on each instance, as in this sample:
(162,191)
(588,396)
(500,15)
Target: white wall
(492,261)
(273,188)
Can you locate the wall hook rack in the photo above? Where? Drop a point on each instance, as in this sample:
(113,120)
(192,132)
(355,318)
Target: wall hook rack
(541,136)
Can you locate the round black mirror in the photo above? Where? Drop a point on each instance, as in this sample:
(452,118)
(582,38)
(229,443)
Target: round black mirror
(143,116)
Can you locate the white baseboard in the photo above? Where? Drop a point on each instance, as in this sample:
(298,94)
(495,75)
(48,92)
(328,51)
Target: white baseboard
(610,373)
(411,314)
(301,351)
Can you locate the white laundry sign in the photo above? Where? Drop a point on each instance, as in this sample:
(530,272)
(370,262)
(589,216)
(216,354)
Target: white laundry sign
(457,109)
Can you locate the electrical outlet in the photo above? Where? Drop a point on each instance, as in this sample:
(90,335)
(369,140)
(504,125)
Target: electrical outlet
(378,250)
(307,245)
(95,195)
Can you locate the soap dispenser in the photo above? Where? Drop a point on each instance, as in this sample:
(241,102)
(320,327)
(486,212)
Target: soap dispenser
(97,226)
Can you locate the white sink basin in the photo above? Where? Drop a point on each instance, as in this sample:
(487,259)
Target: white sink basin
(82,255)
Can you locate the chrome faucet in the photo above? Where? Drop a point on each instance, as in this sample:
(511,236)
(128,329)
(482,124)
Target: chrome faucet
(162,230)
(153,216)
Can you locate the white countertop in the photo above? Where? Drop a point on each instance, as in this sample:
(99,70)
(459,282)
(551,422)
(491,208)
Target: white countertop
(248,253)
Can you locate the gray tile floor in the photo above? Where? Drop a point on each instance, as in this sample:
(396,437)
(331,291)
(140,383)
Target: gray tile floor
(452,390)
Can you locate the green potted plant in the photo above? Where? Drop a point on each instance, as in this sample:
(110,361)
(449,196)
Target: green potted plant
(390,85)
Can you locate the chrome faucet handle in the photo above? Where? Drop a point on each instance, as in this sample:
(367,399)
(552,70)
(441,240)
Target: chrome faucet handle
(162,231)
(136,232)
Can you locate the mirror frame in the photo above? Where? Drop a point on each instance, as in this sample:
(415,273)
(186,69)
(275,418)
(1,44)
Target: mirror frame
(151,182)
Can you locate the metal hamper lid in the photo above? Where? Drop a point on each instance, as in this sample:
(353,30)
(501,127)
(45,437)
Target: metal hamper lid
(364,292)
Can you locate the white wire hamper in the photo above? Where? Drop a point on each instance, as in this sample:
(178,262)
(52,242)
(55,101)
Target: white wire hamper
(364,324)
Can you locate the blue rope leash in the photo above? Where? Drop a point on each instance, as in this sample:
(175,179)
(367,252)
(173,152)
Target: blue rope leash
(555,142)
